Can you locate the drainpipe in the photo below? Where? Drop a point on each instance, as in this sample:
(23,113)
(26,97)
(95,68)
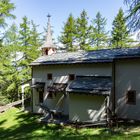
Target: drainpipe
(113,87)
(32,82)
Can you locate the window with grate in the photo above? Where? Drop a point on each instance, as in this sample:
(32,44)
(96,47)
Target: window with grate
(49,76)
(131,97)
(71,77)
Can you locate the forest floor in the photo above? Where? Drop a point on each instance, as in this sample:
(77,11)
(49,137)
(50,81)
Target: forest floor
(15,124)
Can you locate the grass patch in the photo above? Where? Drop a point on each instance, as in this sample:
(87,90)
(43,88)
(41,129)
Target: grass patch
(15,125)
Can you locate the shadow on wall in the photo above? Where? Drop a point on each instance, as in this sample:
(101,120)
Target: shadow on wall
(129,79)
(86,108)
(59,79)
(96,115)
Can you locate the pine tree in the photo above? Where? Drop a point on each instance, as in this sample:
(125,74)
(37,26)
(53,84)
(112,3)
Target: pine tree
(68,34)
(120,32)
(133,14)
(82,31)
(99,36)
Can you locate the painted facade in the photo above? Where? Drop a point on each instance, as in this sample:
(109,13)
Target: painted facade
(127,78)
(84,103)
(60,74)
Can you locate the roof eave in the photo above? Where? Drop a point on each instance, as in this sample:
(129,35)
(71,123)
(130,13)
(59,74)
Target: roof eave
(92,92)
(70,62)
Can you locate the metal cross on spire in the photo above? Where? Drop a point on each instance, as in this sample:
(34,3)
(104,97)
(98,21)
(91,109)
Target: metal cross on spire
(48,16)
(48,41)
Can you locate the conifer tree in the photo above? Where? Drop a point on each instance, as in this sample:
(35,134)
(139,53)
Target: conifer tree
(29,43)
(99,36)
(34,41)
(82,31)
(133,14)
(24,32)
(34,35)
(21,48)
(24,38)
(6,7)
(120,33)
(9,68)
(68,34)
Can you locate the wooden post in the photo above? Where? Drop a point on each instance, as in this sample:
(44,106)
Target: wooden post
(22,91)
(106,111)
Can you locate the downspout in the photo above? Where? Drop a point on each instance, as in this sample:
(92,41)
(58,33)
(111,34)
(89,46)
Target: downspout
(113,87)
(32,89)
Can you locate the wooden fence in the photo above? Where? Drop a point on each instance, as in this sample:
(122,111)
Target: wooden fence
(8,106)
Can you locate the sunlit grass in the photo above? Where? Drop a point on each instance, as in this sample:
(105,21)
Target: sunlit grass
(9,118)
(15,124)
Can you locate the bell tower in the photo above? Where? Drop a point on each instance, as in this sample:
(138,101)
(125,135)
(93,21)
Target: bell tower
(48,47)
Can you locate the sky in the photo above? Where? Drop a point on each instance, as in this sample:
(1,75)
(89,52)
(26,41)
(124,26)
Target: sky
(59,10)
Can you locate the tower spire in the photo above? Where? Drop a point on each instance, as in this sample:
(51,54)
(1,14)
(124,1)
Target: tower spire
(48,46)
(49,41)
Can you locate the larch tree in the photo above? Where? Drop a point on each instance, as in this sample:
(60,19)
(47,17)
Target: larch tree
(34,41)
(29,46)
(10,71)
(98,35)
(24,38)
(83,31)
(133,16)
(68,34)
(120,33)
(6,8)
(21,48)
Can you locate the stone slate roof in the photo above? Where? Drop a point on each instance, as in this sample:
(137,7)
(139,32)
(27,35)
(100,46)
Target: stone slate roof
(104,55)
(57,87)
(99,85)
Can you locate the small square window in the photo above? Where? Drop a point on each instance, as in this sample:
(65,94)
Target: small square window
(71,77)
(131,97)
(49,76)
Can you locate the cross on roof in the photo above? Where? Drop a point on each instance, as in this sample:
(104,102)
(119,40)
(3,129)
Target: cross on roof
(49,41)
(48,15)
